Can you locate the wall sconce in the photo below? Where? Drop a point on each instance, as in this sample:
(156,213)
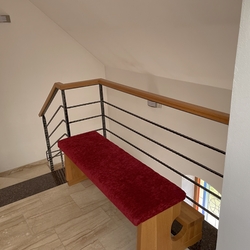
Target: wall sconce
(4,19)
(152,104)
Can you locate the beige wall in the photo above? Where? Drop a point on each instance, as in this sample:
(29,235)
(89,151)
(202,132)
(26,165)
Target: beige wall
(34,53)
(235,217)
(202,129)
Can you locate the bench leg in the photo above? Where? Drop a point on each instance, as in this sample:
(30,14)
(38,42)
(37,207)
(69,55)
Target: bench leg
(73,173)
(155,233)
(191,232)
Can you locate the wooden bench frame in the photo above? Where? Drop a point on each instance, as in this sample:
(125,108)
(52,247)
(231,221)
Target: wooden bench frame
(155,233)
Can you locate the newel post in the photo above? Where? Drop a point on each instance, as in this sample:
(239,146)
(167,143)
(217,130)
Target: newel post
(49,153)
(102,110)
(65,113)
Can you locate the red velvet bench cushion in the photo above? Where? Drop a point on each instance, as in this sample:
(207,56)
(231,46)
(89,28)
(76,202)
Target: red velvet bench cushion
(135,189)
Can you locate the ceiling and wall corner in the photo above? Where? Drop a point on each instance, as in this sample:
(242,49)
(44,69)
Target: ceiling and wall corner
(192,40)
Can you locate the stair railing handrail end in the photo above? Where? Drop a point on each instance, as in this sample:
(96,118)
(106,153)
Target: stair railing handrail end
(56,86)
(60,86)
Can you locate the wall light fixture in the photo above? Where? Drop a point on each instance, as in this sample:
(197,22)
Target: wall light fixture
(4,19)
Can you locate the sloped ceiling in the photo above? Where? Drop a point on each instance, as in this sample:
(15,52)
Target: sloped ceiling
(188,40)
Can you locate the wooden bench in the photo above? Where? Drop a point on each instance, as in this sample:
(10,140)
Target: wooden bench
(148,200)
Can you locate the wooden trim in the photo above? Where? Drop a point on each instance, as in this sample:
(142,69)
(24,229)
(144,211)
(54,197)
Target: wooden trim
(210,114)
(74,85)
(197,192)
(50,97)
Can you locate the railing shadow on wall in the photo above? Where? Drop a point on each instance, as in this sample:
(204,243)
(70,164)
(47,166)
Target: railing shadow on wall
(100,105)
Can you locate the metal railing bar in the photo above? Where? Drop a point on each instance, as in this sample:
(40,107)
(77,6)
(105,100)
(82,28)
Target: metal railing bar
(56,128)
(102,106)
(55,151)
(56,155)
(58,140)
(84,119)
(99,129)
(171,150)
(205,209)
(54,115)
(62,161)
(83,104)
(53,156)
(66,115)
(46,133)
(168,129)
(164,164)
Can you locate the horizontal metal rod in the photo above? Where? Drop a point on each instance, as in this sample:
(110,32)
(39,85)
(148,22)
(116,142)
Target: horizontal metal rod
(168,129)
(59,140)
(205,209)
(84,119)
(54,115)
(58,125)
(171,150)
(164,164)
(83,104)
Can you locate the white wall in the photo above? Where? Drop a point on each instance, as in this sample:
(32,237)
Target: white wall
(193,41)
(202,129)
(34,53)
(234,225)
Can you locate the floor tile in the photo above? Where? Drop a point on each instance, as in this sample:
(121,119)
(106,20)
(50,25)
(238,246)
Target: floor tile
(14,233)
(63,217)
(19,208)
(51,214)
(89,199)
(83,230)
(47,240)
(121,238)
(59,192)
(96,245)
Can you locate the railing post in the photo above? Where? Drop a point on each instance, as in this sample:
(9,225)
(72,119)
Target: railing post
(49,155)
(102,110)
(66,113)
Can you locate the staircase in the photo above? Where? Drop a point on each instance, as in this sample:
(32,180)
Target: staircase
(140,135)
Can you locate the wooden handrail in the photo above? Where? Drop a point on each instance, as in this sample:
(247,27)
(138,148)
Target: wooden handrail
(210,114)
(59,86)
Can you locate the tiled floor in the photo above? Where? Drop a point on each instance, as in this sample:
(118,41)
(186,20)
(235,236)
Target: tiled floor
(60,218)
(63,217)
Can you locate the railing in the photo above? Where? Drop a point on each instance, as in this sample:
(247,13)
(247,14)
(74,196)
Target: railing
(103,120)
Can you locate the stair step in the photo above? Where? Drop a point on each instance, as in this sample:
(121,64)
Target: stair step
(30,187)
